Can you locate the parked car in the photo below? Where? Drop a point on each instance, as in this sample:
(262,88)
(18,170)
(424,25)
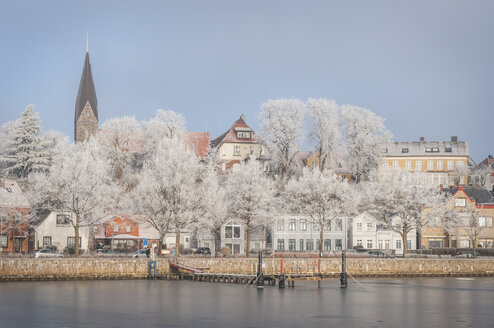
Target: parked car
(47,252)
(466,254)
(190,250)
(104,251)
(141,253)
(378,254)
(203,251)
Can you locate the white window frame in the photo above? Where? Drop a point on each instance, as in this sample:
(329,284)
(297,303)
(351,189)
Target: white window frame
(418,165)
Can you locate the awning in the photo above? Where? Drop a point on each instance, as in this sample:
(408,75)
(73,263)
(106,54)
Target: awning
(20,234)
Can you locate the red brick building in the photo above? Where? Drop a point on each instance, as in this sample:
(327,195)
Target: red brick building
(14,218)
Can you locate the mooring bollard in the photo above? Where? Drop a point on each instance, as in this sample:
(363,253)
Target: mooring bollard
(343,277)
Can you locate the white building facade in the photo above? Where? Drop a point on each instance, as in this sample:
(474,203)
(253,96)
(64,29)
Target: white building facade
(369,233)
(55,229)
(297,233)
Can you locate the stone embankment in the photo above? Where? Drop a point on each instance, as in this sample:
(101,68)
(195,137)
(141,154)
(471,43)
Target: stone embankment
(122,268)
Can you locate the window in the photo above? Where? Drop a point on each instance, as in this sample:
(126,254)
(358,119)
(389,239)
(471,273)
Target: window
(63,219)
(303,225)
(436,243)
(338,244)
(315,227)
(430,165)
(327,244)
(8,189)
(408,165)
(186,239)
(318,244)
(369,226)
(398,244)
(327,226)
(257,246)
(292,225)
(281,244)
(236,150)
(301,244)
(435,149)
(252,150)
(396,165)
(280,225)
(4,240)
(338,225)
(292,244)
(4,219)
(223,151)
(128,228)
(359,242)
(243,134)
(310,244)
(404,150)
(409,244)
(439,165)
(428,149)
(71,241)
(386,244)
(459,164)
(236,248)
(115,228)
(481,222)
(206,244)
(385,165)
(488,222)
(232,231)
(448,149)
(46,241)
(418,165)
(380,244)
(230,246)
(359,226)
(369,243)
(450,165)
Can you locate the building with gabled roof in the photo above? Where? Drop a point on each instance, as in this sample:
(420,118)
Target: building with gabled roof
(14,218)
(239,143)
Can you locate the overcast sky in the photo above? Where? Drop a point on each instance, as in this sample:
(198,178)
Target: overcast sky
(425,66)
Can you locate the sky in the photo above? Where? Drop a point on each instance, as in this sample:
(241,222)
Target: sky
(425,66)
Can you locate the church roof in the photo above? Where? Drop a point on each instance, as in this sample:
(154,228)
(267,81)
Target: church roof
(230,136)
(86,92)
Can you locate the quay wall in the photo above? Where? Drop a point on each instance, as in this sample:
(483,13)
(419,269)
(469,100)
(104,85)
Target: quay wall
(122,268)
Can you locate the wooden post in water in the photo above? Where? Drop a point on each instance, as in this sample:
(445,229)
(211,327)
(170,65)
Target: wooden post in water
(319,272)
(260,277)
(343,277)
(281,281)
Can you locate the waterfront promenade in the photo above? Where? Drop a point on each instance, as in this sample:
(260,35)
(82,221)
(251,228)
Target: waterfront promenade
(126,268)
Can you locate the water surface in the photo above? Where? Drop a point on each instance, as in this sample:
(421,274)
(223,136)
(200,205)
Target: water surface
(439,302)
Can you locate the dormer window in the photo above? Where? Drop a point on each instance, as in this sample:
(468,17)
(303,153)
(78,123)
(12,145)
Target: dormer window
(435,149)
(8,189)
(243,134)
(404,150)
(428,149)
(448,149)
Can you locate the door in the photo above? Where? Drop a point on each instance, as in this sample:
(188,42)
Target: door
(18,245)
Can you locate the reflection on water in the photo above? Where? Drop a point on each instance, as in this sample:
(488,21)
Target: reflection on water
(441,302)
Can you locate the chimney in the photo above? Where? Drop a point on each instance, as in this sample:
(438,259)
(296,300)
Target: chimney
(454,139)
(421,139)
(242,117)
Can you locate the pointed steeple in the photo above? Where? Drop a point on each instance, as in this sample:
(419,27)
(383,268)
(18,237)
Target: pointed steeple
(87,92)
(86,104)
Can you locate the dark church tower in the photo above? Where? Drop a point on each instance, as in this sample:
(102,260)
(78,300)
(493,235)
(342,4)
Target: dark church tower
(86,105)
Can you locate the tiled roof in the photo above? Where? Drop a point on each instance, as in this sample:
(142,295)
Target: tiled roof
(199,141)
(480,195)
(86,92)
(231,136)
(11,195)
(427,148)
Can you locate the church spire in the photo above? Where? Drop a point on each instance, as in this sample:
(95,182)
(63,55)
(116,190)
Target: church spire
(86,103)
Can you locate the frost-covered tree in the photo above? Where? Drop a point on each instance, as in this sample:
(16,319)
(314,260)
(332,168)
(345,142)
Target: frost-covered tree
(403,207)
(169,190)
(28,151)
(250,197)
(214,204)
(364,137)
(322,196)
(282,128)
(7,136)
(79,182)
(164,124)
(120,137)
(325,132)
